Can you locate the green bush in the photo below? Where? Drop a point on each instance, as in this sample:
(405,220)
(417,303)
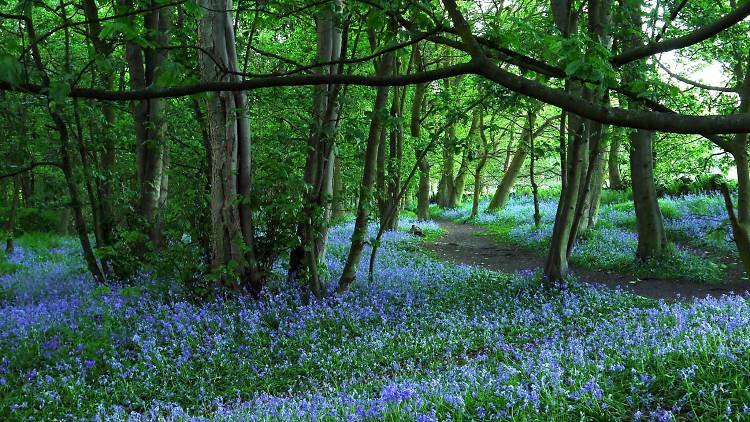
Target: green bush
(37,220)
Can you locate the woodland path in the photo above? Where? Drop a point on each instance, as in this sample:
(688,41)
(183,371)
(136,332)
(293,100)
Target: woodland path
(471,245)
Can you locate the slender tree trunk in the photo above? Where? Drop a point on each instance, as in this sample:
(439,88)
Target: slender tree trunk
(556,267)
(591,215)
(380,182)
(75,201)
(368,179)
(319,166)
(532,177)
(203,218)
(593,164)
(445,187)
(11,227)
(480,166)
(66,162)
(563,153)
(459,183)
(389,165)
(613,160)
(423,191)
(508,153)
(576,174)
(106,163)
(338,209)
(87,177)
(502,193)
(144,65)
(27,188)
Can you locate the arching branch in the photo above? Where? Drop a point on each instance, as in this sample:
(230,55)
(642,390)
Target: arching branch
(30,167)
(694,37)
(695,83)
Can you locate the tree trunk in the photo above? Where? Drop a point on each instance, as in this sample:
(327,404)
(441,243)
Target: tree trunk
(319,166)
(106,163)
(556,266)
(27,187)
(508,153)
(87,177)
(150,123)
(741,220)
(232,229)
(445,187)
(66,162)
(591,214)
(502,193)
(459,183)
(338,208)
(480,166)
(592,166)
(613,161)
(652,239)
(75,201)
(11,227)
(368,179)
(423,191)
(563,153)
(389,167)
(532,177)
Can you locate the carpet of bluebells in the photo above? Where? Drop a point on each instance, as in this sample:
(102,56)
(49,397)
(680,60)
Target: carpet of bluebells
(424,341)
(697,223)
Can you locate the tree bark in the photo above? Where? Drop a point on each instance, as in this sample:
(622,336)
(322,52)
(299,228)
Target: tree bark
(479,167)
(319,165)
(368,179)
(740,221)
(338,209)
(530,117)
(104,183)
(150,122)
(415,128)
(613,161)
(232,228)
(66,162)
(556,266)
(652,239)
(502,193)
(11,227)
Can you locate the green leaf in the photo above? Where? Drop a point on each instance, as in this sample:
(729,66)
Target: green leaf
(169,73)
(573,66)
(11,70)
(58,91)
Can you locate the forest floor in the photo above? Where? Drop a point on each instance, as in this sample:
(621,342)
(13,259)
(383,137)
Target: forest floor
(473,245)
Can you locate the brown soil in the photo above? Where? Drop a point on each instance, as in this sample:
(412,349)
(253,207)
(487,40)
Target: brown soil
(469,244)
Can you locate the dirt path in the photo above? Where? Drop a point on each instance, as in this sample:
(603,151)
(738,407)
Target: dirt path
(468,244)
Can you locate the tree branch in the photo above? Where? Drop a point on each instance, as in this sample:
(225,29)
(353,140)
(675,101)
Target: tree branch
(29,168)
(694,37)
(694,83)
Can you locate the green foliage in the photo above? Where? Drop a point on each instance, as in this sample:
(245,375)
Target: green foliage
(37,220)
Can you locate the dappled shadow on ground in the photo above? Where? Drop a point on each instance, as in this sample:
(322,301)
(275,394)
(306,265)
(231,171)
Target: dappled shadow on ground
(470,244)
